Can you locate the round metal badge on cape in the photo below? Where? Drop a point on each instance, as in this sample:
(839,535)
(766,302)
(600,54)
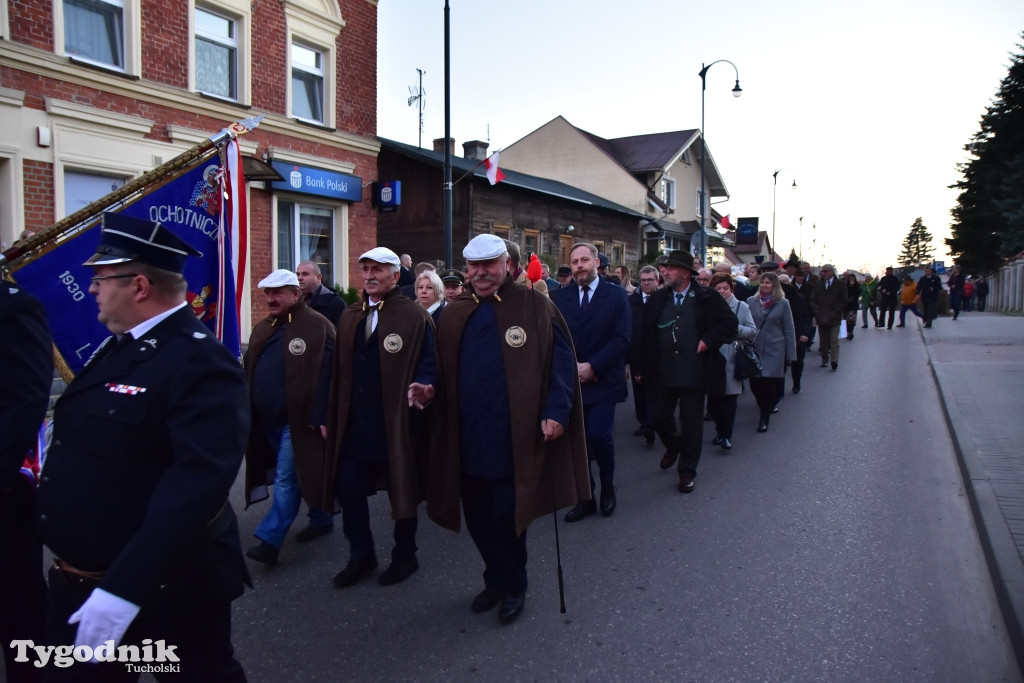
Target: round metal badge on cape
(515,336)
(392,343)
(297,346)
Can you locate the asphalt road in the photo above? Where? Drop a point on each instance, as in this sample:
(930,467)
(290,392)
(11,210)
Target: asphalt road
(839,546)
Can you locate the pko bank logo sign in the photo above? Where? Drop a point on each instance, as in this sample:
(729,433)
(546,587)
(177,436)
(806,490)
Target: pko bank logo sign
(150,657)
(317,181)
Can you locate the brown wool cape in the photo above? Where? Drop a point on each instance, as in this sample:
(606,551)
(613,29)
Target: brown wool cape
(399,319)
(302,363)
(548,475)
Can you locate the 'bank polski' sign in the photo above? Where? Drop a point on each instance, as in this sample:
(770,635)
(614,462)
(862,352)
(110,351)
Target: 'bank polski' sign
(317,181)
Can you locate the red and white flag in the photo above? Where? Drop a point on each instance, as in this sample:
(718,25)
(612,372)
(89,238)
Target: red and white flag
(233,235)
(494,174)
(726,221)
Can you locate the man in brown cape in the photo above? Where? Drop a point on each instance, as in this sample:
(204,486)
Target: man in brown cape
(288,372)
(385,343)
(511,445)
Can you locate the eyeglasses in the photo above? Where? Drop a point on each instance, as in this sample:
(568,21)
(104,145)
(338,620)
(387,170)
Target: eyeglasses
(648,279)
(96,280)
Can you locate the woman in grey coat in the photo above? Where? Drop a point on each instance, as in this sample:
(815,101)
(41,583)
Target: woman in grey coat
(775,344)
(723,408)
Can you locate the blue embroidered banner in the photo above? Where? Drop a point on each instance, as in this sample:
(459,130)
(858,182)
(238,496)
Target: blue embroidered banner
(189,206)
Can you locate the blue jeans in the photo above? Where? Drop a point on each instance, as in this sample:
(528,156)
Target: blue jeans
(287,498)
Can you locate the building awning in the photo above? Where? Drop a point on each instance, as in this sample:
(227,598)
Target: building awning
(257,170)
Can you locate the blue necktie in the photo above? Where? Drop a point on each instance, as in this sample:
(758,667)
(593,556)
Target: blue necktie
(585,301)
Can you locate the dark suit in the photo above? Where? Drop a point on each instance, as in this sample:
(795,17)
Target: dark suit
(641,399)
(147,442)
(26,365)
(327,303)
(715,324)
(601,336)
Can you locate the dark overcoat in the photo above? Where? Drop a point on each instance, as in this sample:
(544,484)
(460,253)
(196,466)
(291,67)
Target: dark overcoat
(716,325)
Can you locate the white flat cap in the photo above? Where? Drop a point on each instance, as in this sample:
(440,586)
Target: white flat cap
(484,248)
(279,278)
(382,255)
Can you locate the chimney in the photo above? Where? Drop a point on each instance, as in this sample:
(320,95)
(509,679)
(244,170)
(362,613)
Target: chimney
(475,150)
(439,145)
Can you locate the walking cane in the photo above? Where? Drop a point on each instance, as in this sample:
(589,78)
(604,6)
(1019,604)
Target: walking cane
(533,274)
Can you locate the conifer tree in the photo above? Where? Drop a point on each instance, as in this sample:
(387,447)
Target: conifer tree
(988,220)
(917,246)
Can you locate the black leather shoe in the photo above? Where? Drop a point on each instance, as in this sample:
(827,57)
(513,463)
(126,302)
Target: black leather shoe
(399,571)
(640,431)
(264,553)
(726,445)
(608,501)
(824,363)
(715,441)
(835,366)
(668,459)
(864,327)
(775,410)
(796,388)
(762,425)
(486,600)
(311,532)
(587,507)
(354,572)
(649,437)
(511,607)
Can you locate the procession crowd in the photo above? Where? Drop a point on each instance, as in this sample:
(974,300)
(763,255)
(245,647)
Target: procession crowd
(485,392)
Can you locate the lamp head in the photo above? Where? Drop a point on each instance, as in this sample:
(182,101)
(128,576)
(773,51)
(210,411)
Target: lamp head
(737,91)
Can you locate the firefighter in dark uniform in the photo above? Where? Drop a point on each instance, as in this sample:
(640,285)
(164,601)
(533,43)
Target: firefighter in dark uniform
(147,442)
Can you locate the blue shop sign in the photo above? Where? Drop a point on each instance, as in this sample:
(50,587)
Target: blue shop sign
(317,181)
(387,195)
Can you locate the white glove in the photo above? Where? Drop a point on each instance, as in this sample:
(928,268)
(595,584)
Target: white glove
(104,616)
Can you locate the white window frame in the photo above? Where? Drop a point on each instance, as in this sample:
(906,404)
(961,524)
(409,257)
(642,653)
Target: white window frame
(668,191)
(316,26)
(131,39)
(699,211)
(239,12)
(314,75)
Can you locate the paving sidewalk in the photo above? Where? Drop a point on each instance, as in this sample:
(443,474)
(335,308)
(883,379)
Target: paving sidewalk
(978,363)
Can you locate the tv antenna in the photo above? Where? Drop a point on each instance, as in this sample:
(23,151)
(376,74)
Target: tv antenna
(417,95)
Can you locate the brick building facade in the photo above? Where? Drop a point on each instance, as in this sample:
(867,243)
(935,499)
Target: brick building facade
(94,93)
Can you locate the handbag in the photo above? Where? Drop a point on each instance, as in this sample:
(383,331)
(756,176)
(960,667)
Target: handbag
(746,362)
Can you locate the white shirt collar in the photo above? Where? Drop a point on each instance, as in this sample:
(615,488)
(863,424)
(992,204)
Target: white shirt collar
(144,327)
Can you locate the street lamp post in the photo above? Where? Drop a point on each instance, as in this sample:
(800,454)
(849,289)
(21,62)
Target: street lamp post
(775,187)
(705,205)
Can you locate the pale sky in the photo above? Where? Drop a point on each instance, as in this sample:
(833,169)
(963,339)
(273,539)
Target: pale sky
(868,104)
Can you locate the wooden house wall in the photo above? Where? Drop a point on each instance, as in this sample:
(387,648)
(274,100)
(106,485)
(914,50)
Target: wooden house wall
(417,227)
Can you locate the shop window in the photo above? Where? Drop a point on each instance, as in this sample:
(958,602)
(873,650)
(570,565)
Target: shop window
(305,233)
